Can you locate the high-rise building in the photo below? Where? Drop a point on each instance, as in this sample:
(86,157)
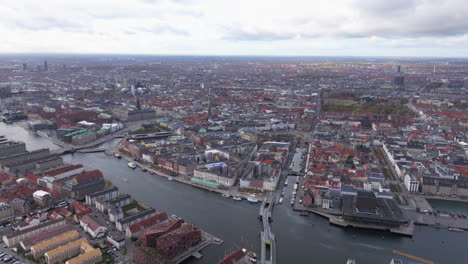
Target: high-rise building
(399,80)
(46,68)
(25,66)
(398,68)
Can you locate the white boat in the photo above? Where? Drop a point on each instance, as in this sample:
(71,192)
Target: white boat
(175,217)
(294,193)
(295,186)
(237,198)
(170,178)
(286,182)
(281,200)
(132,165)
(282,194)
(252,200)
(125,180)
(225,195)
(292,201)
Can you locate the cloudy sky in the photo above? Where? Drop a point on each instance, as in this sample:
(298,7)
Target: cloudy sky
(237,27)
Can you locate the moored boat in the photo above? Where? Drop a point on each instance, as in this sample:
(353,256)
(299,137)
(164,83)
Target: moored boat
(252,200)
(132,165)
(117,155)
(280,200)
(237,198)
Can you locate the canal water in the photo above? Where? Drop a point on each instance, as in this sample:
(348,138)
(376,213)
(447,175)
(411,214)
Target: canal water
(299,239)
(449,206)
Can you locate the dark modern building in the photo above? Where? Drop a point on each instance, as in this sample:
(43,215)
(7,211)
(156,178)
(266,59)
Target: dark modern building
(175,242)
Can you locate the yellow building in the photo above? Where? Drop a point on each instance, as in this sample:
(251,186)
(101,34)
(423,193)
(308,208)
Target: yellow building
(89,255)
(40,249)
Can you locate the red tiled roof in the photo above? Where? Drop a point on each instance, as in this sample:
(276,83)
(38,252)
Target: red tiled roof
(87,176)
(148,222)
(90,221)
(234,257)
(63,170)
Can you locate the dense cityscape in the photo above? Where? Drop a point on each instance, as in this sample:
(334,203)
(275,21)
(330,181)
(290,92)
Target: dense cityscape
(366,144)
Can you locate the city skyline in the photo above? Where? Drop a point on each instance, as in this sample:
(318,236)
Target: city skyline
(204,27)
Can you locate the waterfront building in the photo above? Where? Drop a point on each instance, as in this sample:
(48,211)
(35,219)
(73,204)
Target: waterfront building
(240,256)
(10,148)
(365,207)
(264,171)
(134,230)
(219,173)
(411,183)
(104,194)
(177,241)
(119,201)
(38,160)
(149,237)
(115,213)
(122,224)
(84,183)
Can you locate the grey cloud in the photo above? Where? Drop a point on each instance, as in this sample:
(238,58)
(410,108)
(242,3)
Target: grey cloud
(393,19)
(386,8)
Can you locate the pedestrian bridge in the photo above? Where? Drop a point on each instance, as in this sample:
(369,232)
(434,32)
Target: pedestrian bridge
(267,238)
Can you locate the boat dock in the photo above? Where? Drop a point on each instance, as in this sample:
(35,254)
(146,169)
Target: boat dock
(437,220)
(207,239)
(267,238)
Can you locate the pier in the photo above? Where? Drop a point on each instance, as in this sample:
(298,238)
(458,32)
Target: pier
(267,238)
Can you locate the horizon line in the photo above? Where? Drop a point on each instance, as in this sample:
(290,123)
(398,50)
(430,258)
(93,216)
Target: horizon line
(224,55)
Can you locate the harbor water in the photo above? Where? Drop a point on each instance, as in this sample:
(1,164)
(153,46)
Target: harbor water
(299,239)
